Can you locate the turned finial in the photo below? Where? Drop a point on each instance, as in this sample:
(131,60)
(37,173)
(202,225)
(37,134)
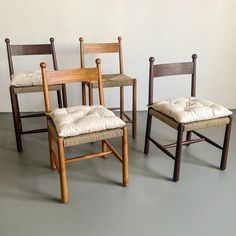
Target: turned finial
(98,61)
(7,40)
(43,65)
(152,59)
(194,56)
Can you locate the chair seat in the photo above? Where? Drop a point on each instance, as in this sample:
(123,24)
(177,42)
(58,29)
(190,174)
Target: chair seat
(191,109)
(114,80)
(30,83)
(85,138)
(26,79)
(79,120)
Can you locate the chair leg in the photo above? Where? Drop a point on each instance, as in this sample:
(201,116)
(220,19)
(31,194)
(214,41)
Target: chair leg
(83,94)
(125,158)
(90,94)
(18,113)
(51,149)
(104,148)
(188,137)
(134,120)
(59,100)
(226,145)
(121,102)
(64,96)
(16,118)
(62,171)
(148,133)
(178,153)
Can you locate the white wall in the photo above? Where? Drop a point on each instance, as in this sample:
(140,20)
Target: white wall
(170,30)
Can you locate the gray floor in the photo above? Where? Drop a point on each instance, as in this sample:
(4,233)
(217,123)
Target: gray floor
(202,203)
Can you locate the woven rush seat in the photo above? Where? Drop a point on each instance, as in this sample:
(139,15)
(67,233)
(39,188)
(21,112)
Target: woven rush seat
(85,138)
(79,120)
(190,109)
(35,89)
(114,80)
(191,125)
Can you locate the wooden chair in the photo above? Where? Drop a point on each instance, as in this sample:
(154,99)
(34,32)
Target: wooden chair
(110,80)
(27,85)
(185,114)
(82,124)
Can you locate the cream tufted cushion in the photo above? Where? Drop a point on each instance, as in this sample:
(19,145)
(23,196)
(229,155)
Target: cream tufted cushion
(185,110)
(26,79)
(84,119)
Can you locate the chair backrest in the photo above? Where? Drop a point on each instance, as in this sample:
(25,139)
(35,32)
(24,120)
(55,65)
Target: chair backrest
(161,70)
(30,49)
(71,76)
(94,48)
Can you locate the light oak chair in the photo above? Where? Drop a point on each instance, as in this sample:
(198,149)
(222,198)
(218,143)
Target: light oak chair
(22,83)
(185,114)
(119,80)
(82,124)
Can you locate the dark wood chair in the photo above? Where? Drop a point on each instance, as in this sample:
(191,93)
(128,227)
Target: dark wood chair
(119,80)
(185,114)
(27,85)
(89,124)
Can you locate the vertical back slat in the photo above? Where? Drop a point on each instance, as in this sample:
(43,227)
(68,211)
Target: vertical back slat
(81,40)
(9,57)
(193,83)
(45,88)
(120,55)
(150,94)
(100,86)
(54,58)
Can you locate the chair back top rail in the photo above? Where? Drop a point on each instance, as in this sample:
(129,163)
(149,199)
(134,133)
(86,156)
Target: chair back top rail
(72,76)
(33,49)
(173,69)
(100,48)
